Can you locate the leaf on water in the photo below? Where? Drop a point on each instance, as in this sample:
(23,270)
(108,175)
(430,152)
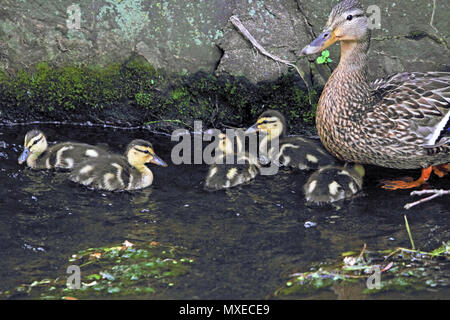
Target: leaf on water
(348,253)
(127,244)
(95,255)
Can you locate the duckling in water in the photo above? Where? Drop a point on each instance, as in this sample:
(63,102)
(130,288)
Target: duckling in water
(119,173)
(334,183)
(63,155)
(295,152)
(244,167)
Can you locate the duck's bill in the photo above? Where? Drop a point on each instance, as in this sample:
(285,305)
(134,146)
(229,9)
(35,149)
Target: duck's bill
(23,157)
(323,41)
(252,129)
(158,161)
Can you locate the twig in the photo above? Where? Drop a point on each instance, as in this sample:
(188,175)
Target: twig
(362,252)
(434,194)
(409,233)
(238,24)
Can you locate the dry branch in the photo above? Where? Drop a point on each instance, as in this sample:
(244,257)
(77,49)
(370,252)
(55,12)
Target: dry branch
(434,194)
(238,24)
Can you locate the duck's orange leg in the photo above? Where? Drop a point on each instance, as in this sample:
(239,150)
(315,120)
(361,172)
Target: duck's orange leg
(408,182)
(441,170)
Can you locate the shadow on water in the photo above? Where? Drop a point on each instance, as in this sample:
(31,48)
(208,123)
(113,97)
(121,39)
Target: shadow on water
(246,240)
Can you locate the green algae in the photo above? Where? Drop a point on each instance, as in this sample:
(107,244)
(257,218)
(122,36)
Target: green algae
(114,271)
(401,270)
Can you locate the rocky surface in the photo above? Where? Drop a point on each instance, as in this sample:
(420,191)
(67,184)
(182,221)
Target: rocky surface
(189,36)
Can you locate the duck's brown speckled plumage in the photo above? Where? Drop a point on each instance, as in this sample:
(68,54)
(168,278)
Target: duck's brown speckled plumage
(400,121)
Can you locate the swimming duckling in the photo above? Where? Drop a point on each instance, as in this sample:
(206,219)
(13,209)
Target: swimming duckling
(63,155)
(244,167)
(296,152)
(334,183)
(119,173)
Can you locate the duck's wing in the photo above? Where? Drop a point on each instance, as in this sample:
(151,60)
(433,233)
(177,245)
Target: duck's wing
(413,107)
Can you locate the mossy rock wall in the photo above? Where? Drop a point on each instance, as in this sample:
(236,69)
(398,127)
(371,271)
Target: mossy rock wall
(190,36)
(134,93)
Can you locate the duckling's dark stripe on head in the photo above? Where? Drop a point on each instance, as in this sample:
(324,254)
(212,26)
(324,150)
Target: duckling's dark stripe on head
(32,134)
(143,151)
(36,141)
(138,142)
(267,121)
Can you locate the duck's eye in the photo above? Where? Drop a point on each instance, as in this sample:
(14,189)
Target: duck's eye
(349,17)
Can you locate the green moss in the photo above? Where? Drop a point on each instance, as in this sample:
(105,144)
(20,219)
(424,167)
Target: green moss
(135,92)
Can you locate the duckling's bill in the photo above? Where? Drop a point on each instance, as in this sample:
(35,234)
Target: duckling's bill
(253,129)
(23,157)
(158,161)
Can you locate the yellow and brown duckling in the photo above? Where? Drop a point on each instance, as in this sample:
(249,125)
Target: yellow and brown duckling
(64,155)
(333,183)
(400,121)
(119,173)
(243,166)
(295,152)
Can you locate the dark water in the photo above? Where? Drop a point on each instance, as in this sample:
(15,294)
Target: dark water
(246,240)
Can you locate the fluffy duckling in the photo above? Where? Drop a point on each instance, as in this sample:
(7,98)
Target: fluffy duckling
(119,173)
(333,183)
(63,155)
(244,167)
(295,152)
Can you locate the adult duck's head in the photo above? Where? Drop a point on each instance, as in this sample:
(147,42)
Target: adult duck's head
(347,23)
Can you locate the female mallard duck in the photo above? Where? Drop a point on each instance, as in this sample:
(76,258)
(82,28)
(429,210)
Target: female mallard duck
(296,152)
(119,173)
(400,121)
(63,155)
(222,174)
(333,183)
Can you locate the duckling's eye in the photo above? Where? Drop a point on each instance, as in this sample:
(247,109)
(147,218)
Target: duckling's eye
(349,17)
(36,141)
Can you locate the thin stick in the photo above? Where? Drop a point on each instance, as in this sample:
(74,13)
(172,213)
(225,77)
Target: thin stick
(362,252)
(409,233)
(238,24)
(434,194)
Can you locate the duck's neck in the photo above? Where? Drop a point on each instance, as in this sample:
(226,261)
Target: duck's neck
(353,61)
(32,159)
(348,87)
(142,168)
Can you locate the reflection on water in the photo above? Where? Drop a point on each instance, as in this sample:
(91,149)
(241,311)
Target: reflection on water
(247,240)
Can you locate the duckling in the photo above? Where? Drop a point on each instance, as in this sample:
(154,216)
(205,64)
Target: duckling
(64,155)
(119,173)
(333,183)
(222,175)
(296,152)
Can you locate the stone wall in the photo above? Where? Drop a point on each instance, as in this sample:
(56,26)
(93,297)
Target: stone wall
(187,36)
